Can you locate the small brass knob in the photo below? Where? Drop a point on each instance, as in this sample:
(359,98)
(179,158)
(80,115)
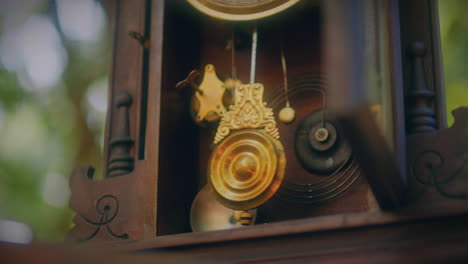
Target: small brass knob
(319,146)
(287,115)
(208,214)
(245,218)
(321,134)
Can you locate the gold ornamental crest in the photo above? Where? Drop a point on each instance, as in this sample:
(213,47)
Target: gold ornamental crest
(248,111)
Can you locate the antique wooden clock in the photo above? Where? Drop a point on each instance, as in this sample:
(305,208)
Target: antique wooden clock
(277,128)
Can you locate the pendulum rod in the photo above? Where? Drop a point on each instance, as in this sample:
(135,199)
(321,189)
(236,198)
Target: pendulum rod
(253,57)
(285,76)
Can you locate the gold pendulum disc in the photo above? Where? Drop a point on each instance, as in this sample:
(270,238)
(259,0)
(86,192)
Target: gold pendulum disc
(207,214)
(246,169)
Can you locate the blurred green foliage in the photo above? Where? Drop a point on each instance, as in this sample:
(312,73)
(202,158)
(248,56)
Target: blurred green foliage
(46,130)
(454,34)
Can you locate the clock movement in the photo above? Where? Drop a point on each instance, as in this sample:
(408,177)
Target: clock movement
(246,135)
(267,143)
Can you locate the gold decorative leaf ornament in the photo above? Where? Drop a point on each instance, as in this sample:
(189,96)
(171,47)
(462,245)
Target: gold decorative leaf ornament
(248,111)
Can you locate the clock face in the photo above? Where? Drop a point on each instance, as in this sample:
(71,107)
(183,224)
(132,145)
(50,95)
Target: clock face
(241,10)
(236,3)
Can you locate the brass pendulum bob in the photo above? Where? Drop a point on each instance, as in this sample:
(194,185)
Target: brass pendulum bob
(287,115)
(247,166)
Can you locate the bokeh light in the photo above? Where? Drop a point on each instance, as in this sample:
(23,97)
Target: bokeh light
(15,232)
(43,55)
(81,20)
(54,67)
(55,191)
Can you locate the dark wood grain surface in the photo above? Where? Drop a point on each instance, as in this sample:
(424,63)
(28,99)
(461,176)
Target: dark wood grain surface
(377,238)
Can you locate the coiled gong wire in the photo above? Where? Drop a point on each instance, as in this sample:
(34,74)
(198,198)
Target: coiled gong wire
(335,184)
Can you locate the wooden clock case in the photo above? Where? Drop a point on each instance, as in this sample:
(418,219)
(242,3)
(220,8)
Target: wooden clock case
(156,156)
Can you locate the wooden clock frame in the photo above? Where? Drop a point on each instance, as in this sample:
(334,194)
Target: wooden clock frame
(129,206)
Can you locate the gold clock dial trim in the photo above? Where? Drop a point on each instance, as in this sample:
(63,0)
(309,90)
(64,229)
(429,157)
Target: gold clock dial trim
(241,12)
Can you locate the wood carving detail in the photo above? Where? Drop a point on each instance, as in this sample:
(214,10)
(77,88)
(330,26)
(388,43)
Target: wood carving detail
(121,161)
(98,210)
(248,111)
(427,171)
(421,117)
(438,160)
(107,208)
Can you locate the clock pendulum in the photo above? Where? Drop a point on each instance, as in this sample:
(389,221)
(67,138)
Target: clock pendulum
(287,114)
(248,163)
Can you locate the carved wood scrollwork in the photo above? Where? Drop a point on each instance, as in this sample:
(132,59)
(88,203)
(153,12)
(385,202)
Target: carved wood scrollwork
(122,206)
(100,215)
(438,161)
(97,204)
